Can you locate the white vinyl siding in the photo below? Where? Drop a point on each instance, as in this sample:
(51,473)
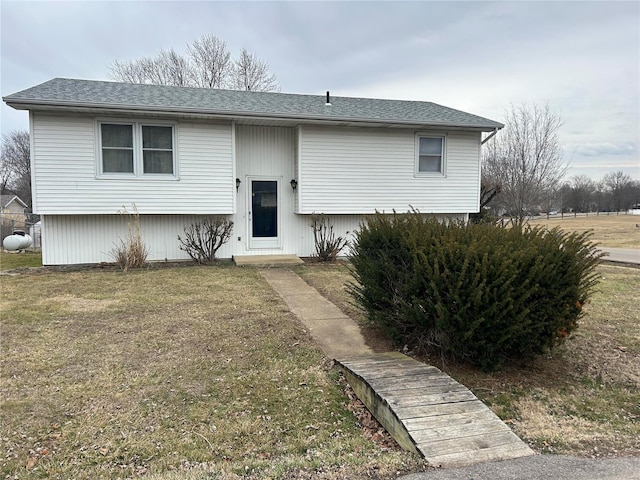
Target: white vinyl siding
(78,239)
(361,170)
(68,181)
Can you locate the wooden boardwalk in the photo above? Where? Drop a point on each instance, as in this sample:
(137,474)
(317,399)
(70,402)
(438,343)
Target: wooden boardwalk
(429,413)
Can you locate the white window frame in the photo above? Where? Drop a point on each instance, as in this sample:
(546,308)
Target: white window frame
(443,163)
(138,151)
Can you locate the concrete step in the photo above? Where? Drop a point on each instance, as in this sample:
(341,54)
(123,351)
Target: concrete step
(266,260)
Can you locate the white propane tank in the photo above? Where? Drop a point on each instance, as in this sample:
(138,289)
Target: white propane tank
(18,241)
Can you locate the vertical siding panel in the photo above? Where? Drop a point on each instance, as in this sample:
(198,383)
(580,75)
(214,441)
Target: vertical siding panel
(78,239)
(264,152)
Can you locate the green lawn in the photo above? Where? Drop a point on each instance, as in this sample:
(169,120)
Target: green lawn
(9,261)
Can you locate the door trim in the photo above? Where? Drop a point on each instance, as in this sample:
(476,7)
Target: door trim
(256,243)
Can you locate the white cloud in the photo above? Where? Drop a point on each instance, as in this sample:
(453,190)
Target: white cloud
(600,149)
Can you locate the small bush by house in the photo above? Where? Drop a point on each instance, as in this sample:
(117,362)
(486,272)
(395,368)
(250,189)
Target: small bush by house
(478,292)
(203,239)
(328,245)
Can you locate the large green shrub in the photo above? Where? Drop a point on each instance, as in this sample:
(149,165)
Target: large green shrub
(478,292)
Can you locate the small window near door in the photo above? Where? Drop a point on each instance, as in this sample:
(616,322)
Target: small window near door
(430,154)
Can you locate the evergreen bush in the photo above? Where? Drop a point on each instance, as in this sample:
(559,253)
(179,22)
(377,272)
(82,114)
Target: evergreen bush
(479,292)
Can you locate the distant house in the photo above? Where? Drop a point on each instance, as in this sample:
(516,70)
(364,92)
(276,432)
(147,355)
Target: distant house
(267,161)
(12,213)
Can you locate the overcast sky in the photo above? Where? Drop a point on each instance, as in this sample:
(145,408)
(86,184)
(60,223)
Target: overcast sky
(583,58)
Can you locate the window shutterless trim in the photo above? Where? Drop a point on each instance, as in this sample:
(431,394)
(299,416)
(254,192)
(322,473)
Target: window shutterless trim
(138,150)
(443,156)
(100,149)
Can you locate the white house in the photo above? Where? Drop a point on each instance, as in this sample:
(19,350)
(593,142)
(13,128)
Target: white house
(12,216)
(265,160)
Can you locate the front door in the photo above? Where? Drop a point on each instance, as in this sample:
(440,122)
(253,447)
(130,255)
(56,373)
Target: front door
(264,215)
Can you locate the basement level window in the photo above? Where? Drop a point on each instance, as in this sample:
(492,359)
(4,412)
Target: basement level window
(430,154)
(136,149)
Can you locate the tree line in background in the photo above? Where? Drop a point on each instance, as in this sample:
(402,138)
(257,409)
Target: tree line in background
(207,63)
(523,173)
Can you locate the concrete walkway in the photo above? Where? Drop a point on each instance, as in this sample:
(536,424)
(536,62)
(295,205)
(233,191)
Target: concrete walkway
(333,331)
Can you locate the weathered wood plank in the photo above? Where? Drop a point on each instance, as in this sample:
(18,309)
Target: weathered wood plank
(446,420)
(459,432)
(492,454)
(480,441)
(372,371)
(420,384)
(434,399)
(425,411)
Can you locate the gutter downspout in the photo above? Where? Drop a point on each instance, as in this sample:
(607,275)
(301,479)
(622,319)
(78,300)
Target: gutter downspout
(490,136)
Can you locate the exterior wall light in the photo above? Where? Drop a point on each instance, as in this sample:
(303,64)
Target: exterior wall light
(294,184)
(238,182)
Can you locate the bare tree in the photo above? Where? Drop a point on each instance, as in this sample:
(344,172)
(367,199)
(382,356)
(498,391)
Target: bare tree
(207,64)
(252,74)
(170,68)
(167,68)
(211,62)
(16,164)
(525,159)
(583,191)
(619,187)
(130,71)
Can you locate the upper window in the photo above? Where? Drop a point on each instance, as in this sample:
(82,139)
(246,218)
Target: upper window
(117,148)
(430,154)
(137,149)
(157,149)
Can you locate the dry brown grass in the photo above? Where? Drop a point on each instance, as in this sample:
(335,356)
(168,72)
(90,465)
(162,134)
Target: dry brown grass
(584,399)
(169,372)
(618,231)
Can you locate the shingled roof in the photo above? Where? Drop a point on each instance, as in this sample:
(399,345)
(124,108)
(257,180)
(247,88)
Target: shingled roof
(65,93)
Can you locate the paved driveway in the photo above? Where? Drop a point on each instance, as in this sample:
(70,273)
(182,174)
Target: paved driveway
(541,467)
(623,255)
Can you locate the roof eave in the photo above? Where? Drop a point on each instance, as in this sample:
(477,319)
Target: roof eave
(34,104)
(14,198)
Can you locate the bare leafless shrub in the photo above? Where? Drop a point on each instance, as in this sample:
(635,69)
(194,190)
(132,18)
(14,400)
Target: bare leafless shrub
(203,239)
(132,252)
(328,246)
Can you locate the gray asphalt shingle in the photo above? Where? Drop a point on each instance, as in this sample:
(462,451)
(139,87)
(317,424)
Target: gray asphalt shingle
(72,92)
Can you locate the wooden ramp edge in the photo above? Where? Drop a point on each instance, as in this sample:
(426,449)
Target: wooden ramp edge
(429,413)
